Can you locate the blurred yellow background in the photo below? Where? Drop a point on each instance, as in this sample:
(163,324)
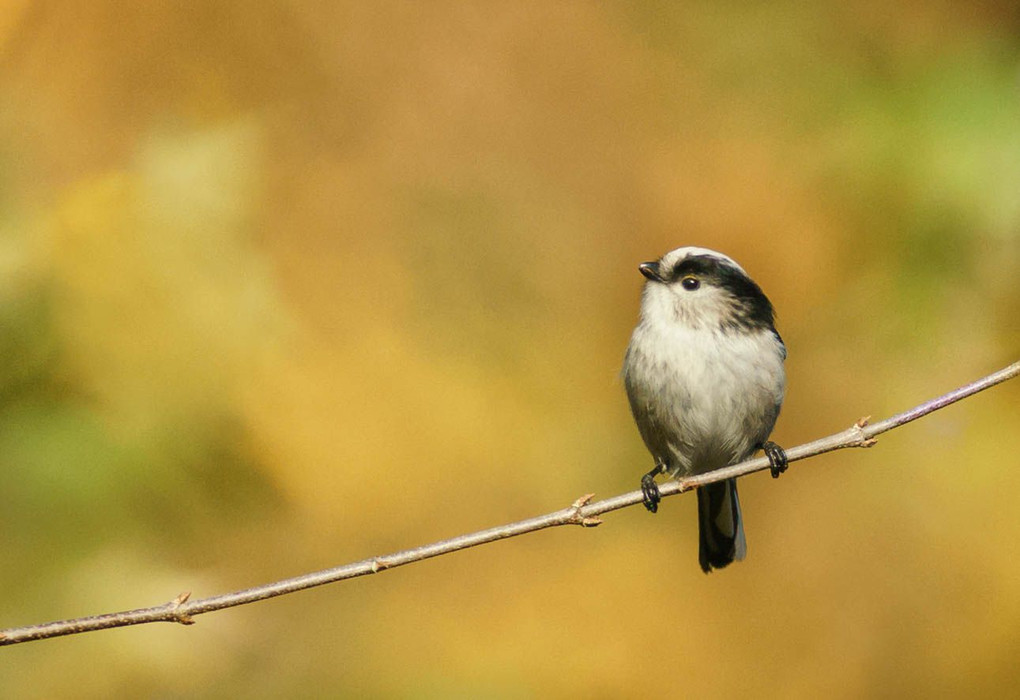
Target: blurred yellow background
(285,285)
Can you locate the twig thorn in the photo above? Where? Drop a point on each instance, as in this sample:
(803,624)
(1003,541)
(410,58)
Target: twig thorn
(178,616)
(583,500)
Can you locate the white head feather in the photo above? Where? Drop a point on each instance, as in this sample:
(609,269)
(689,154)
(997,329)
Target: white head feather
(671,258)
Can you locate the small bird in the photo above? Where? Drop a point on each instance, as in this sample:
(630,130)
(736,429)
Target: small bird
(704,375)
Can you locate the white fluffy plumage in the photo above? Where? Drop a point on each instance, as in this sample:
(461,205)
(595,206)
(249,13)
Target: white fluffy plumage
(704,374)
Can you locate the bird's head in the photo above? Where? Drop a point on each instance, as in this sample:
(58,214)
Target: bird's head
(701,288)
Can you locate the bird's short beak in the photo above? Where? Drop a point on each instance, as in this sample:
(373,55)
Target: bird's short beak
(651,271)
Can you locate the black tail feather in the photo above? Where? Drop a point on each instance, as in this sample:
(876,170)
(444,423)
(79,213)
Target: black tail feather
(720,526)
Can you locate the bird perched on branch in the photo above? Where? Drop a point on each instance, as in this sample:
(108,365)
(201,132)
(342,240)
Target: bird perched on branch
(704,375)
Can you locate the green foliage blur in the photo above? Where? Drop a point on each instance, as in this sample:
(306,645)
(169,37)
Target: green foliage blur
(286,285)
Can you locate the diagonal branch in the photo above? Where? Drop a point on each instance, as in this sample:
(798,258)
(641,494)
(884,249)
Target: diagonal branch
(581,512)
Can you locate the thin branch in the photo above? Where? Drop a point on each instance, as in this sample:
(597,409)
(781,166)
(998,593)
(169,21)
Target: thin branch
(580,512)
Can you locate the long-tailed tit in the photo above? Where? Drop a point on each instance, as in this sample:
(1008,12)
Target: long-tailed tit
(704,375)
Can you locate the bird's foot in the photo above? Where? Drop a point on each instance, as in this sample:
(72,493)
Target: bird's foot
(777,458)
(650,490)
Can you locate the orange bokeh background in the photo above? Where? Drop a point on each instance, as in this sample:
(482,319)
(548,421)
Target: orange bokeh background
(287,285)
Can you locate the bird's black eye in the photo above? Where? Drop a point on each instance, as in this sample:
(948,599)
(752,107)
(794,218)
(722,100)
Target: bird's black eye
(690,283)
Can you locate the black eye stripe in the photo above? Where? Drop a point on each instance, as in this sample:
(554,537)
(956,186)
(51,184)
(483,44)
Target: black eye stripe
(753,308)
(700,265)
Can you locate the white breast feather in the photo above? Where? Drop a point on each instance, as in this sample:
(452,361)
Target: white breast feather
(709,392)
